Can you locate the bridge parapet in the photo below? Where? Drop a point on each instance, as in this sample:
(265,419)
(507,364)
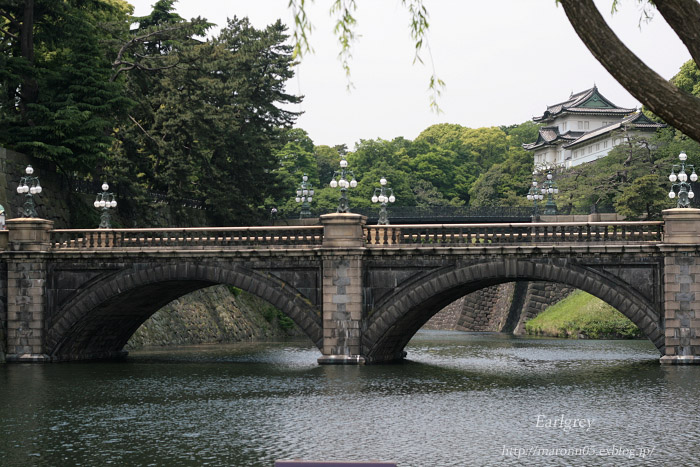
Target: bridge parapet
(523,233)
(187,238)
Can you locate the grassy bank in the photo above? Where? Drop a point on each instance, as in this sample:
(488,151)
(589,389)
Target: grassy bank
(584,316)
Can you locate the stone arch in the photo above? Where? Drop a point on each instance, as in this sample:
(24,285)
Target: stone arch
(99,321)
(401,315)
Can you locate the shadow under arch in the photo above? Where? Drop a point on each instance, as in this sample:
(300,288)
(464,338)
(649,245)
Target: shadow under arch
(99,321)
(392,325)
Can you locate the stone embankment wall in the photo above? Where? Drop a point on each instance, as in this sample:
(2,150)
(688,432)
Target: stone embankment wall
(488,311)
(539,296)
(499,308)
(69,209)
(216,314)
(54,203)
(485,310)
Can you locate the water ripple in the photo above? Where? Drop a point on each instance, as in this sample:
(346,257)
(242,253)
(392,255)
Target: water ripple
(461,399)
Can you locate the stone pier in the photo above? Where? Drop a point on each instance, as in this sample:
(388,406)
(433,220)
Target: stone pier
(343,242)
(26,289)
(681,286)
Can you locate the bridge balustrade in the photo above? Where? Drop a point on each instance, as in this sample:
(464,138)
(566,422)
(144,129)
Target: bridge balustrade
(190,238)
(520,233)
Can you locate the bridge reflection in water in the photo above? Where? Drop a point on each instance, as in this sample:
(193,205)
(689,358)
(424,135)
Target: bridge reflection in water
(359,292)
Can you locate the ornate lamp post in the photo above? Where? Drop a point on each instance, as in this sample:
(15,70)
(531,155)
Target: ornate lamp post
(29,186)
(549,188)
(380,195)
(534,195)
(305,194)
(340,180)
(105,201)
(680,180)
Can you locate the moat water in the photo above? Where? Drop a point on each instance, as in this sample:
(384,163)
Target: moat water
(461,400)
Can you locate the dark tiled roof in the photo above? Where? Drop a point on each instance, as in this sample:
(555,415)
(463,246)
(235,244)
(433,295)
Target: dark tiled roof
(589,101)
(616,111)
(636,121)
(549,135)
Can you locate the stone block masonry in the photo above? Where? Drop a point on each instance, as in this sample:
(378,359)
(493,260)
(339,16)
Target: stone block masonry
(65,208)
(487,310)
(26,289)
(214,314)
(3,311)
(499,308)
(51,204)
(342,288)
(447,318)
(681,286)
(682,314)
(539,296)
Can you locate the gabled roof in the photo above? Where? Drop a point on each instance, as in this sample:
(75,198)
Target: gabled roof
(637,121)
(590,101)
(550,136)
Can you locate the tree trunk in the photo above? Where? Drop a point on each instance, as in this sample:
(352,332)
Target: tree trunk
(675,107)
(30,90)
(684,18)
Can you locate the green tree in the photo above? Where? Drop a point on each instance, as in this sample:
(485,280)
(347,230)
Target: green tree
(471,152)
(295,159)
(504,184)
(426,195)
(437,166)
(208,124)
(57,100)
(327,162)
(480,146)
(507,183)
(642,198)
(381,154)
(688,78)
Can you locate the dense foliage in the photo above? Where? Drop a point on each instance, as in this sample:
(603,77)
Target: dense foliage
(150,105)
(146,102)
(56,97)
(446,165)
(207,127)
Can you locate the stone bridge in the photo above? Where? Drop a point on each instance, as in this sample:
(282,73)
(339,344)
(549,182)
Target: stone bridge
(359,292)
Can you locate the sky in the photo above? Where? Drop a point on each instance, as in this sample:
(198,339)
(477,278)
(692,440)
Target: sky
(503,62)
